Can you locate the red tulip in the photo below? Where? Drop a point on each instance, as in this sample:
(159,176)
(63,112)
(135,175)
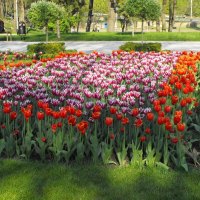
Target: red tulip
(112,136)
(168,126)
(45,105)
(174,99)
(178,112)
(7,109)
(48,111)
(44,139)
(183,103)
(109,121)
(168,109)
(138,122)
(3,126)
(157,108)
(189,112)
(174,140)
(27,114)
(59,124)
(113,110)
(186,90)
(82,127)
(180,127)
(162,100)
(96,115)
(119,116)
(150,116)
(125,120)
(71,110)
(56,114)
(40,115)
(13,115)
(29,107)
(122,129)
(147,130)
(72,120)
(40,104)
(143,138)
(161,114)
(177,119)
(160,120)
(63,113)
(78,113)
(188,100)
(97,108)
(54,128)
(156,102)
(135,112)
(7,104)
(178,85)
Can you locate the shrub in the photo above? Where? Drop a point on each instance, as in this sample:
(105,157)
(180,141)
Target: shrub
(46,48)
(146,47)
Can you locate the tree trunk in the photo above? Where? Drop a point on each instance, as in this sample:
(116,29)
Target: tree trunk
(172,4)
(1,9)
(111,18)
(164,27)
(142,32)
(158,26)
(16,16)
(89,21)
(58,28)
(21,10)
(46,31)
(126,25)
(123,26)
(78,26)
(174,11)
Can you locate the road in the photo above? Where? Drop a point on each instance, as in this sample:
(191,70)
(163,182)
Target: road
(102,46)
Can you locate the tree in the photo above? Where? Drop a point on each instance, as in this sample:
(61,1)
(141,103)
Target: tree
(164,3)
(144,10)
(21,10)
(111,15)
(75,5)
(73,13)
(1,9)
(172,4)
(42,13)
(90,15)
(124,18)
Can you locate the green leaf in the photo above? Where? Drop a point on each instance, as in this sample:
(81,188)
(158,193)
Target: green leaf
(2,145)
(196,127)
(162,165)
(185,167)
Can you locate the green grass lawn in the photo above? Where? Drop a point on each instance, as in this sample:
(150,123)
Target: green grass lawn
(20,180)
(103,36)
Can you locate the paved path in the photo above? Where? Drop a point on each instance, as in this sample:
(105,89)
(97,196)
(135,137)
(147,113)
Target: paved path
(104,46)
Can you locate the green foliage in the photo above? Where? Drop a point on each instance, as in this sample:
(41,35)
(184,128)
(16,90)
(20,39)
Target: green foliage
(124,16)
(104,36)
(46,48)
(130,46)
(143,9)
(43,12)
(73,6)
(22,180)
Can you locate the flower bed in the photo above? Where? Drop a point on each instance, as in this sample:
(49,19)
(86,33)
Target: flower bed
(132,106)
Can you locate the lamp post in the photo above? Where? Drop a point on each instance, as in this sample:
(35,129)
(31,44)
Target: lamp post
(17,21)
